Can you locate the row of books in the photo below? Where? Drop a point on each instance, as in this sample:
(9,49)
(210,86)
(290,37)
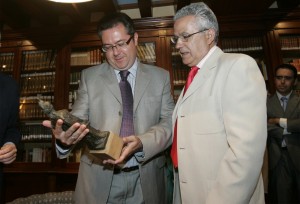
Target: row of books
(180,71)
(31,111)
(36,154)
(91,56)
(180,76)
(37,82)
(34,137)
(241,44)
(75,78)
(146,52)
(6,62)
(290,42)
(34,99)
(35,132)
(38,60)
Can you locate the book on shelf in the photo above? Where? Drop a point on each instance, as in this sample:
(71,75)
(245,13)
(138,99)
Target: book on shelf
(290,42)
(39,155)
(241,44)
(90,56)
(141,53)
(146,52)
(29,108)
(75,78)
(37,82)
(38,60)
(6,62)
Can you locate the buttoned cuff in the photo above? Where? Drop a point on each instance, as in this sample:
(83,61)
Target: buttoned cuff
(283,122)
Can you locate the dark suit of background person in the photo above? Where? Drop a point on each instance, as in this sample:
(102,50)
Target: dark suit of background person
(284,160)
(99,100)
(9,113)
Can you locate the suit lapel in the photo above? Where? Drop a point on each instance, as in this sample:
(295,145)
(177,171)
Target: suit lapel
(108,76)
(276,106)
(141,83)
(204,73)
(292,103)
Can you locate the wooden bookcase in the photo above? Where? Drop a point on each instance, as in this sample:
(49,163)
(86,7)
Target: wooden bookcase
(290,50)
(59,63)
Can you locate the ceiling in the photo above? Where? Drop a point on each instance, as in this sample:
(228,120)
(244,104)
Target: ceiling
(24,14)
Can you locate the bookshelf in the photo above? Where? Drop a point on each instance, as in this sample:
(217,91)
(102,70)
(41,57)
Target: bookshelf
(251,45)
(7,62)
(36,143)
(146,52)
(80,59)
(290,50)
(82,56)
(37,79)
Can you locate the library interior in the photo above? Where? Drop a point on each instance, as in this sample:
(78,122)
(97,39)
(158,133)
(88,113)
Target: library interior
(45,45)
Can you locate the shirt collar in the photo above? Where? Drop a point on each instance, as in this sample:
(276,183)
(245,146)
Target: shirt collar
(279,95)
(206,56)
(132,69)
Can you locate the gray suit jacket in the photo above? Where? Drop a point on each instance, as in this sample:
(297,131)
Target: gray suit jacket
(99,101)
(275,132)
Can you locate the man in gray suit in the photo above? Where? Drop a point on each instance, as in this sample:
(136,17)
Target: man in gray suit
(284,137)
(142,179)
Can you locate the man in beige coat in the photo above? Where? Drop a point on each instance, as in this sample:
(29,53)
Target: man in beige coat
(221,118)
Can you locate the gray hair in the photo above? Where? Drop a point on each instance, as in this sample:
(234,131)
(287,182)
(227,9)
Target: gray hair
(205,17)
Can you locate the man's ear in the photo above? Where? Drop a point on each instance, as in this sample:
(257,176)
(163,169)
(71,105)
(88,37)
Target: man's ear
(210,35)
(135,38)
(296,81)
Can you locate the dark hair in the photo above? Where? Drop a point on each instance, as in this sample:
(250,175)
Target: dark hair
(287,66)
(113,19)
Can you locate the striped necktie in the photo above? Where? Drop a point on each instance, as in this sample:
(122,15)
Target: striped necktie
(284,101)
(127,101)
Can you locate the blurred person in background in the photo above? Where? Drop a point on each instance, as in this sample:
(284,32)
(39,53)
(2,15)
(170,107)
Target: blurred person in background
(9,131)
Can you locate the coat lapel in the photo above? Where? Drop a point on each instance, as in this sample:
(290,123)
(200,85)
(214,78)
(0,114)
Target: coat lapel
(141,83)
(292,103)
(108,76)
(204,73)
(276,106)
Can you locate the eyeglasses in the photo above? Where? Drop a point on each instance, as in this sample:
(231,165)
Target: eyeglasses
(184,38)
(287,78)
(121,44)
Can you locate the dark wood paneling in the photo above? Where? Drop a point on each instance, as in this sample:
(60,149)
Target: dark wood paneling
(22,185)
(145,8)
